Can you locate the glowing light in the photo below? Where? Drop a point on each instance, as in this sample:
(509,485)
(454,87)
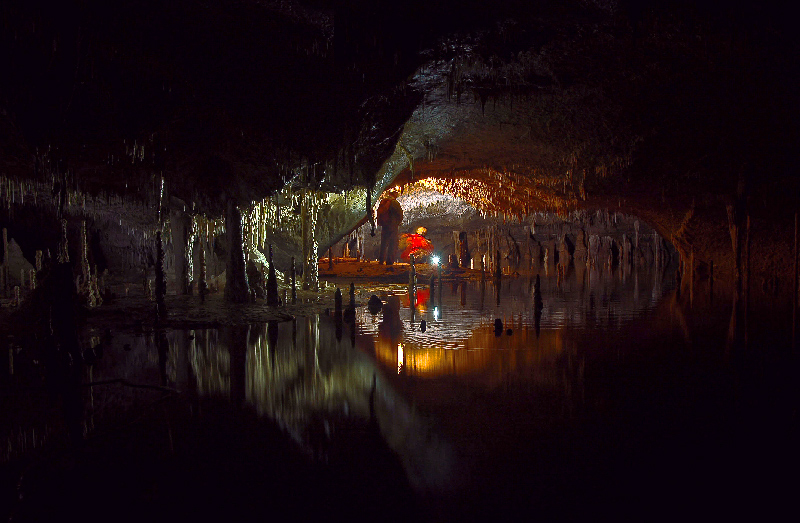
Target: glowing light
(435,260)
(436,313)
(399,357)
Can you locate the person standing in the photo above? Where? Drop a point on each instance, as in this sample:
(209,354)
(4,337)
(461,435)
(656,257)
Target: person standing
(390,214)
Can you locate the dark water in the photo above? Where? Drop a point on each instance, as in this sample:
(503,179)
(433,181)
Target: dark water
(616,396)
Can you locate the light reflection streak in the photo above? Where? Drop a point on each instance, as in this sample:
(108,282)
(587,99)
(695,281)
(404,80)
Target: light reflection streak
(400,359)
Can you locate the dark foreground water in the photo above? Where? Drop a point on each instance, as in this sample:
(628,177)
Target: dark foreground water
(614,397)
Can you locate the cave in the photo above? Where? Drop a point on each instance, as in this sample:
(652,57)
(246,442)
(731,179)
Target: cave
(583,301)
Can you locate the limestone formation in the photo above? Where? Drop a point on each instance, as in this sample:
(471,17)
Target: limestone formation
(581,249)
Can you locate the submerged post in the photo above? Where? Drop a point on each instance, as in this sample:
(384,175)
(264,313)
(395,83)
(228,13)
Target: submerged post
(337,303)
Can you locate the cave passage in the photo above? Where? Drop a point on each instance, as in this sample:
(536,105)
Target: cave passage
(446,261)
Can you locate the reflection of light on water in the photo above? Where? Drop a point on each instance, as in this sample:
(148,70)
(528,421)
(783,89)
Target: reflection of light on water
(399,357)
(306,377)
(535,351)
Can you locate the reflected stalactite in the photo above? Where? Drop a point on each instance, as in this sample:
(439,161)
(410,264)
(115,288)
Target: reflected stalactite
(183,348)
(338,327)
(162,346)
(237,338)
(738,326)
(308,368)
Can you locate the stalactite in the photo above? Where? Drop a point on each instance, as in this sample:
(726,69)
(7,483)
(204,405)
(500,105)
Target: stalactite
(63,245)
(202,287)
(161,280)
(272,282)
(83,288)
(4,268)
(181,231)
(294,282)
(95,298)
(369,211)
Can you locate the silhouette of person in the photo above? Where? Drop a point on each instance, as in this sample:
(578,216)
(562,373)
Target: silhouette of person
(390,214)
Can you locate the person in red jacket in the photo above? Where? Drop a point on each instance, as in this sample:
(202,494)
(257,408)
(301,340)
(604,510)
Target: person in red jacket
(390,214)
(416,244)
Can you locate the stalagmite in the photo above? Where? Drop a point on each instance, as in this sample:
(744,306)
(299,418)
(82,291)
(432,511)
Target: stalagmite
(237,289)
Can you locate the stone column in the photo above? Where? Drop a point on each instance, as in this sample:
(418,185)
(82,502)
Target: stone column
(237,290)
(309,225)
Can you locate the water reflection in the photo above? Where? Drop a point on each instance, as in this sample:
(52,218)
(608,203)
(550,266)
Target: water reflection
(544,314)
(300,375)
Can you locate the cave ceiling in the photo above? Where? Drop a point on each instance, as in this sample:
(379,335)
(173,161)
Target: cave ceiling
(509,105)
